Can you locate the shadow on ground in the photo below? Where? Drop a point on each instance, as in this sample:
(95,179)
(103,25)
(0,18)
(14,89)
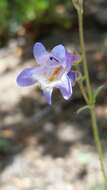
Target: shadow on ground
(56,129)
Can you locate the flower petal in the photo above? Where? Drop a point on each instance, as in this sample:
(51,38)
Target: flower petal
(25,78)
(72,76)
(59,53)
(70,59)
(47,92)
(38,52)
(65,87)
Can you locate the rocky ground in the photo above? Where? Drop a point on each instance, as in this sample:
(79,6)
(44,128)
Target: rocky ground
(50,148)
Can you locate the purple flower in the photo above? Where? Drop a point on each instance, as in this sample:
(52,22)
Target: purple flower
(53,71)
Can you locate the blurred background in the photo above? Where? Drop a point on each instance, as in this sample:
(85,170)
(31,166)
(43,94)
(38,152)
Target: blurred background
(49,147)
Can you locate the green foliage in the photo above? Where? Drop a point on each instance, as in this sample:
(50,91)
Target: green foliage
(100,187)
(4,13)
(98,91)
(5,145)
(83,108)
(16,12)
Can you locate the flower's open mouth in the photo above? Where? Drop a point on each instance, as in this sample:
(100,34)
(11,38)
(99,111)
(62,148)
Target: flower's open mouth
(55,73)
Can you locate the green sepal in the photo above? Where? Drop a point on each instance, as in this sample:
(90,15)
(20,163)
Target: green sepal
(81,78)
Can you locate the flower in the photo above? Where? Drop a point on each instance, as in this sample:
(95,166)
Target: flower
(53,71)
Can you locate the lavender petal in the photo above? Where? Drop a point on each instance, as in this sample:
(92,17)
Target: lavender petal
(59,53)
(70,59)
(72,75)
(65,87)
(39,51)
(25,78)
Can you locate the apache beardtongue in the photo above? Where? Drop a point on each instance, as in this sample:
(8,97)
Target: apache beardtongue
(53,71)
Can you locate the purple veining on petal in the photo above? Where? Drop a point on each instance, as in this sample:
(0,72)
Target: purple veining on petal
(25,77)
(39,52)
(53,61)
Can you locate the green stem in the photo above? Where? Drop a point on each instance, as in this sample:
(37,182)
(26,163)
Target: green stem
(90,97)
(83,91)
(84,59)
(98,144)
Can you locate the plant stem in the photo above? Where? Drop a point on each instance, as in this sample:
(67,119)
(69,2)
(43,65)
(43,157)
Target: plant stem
(91,102)
(97,141)
(84,59)
(83,91)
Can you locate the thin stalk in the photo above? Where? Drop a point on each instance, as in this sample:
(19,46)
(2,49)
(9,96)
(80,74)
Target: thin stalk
(98,144)
(84,59)
(81,86)
(83,91)
(91,99)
